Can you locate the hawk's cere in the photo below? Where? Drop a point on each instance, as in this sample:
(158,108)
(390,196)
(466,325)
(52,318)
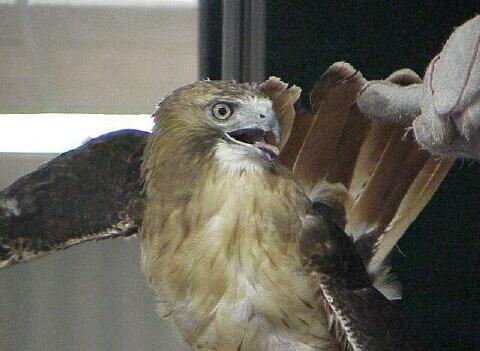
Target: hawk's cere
(243,205)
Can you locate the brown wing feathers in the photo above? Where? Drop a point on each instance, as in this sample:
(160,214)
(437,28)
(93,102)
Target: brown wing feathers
(89,193)
(388,177)
(417,196)
(332,96)
(300,127)
(389,180)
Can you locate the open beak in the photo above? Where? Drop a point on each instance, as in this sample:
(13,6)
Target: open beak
(256,127)
(265,141)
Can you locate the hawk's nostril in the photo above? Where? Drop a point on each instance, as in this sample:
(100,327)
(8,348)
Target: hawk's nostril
(262,115)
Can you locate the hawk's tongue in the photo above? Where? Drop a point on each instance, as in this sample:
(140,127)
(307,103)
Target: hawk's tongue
(269,148)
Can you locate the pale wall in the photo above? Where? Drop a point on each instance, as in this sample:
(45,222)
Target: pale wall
(90,60)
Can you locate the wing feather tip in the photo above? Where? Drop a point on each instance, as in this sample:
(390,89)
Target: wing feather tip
(338,74)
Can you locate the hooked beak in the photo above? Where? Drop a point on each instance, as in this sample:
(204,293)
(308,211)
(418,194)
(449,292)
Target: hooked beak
(258,128)
(265,141)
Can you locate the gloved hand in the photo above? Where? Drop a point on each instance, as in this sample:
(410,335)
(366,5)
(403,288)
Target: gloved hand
(445,109)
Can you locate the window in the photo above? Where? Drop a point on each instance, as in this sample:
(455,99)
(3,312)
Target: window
(82,58)
(70,70)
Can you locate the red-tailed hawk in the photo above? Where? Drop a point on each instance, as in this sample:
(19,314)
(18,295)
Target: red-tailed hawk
(260,230)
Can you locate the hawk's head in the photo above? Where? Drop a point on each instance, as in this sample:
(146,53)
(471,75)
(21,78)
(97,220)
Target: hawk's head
(235,121)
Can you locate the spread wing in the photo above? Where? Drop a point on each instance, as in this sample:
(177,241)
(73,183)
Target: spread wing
(89,193)
(389,180)
(388,177)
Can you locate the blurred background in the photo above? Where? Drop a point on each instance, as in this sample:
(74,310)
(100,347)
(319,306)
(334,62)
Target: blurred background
(120,57)
(75,58)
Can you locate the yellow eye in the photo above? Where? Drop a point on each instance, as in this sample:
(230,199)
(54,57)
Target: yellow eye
(222,110)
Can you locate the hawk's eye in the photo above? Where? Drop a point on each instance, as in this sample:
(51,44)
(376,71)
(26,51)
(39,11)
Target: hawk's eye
(222,110)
